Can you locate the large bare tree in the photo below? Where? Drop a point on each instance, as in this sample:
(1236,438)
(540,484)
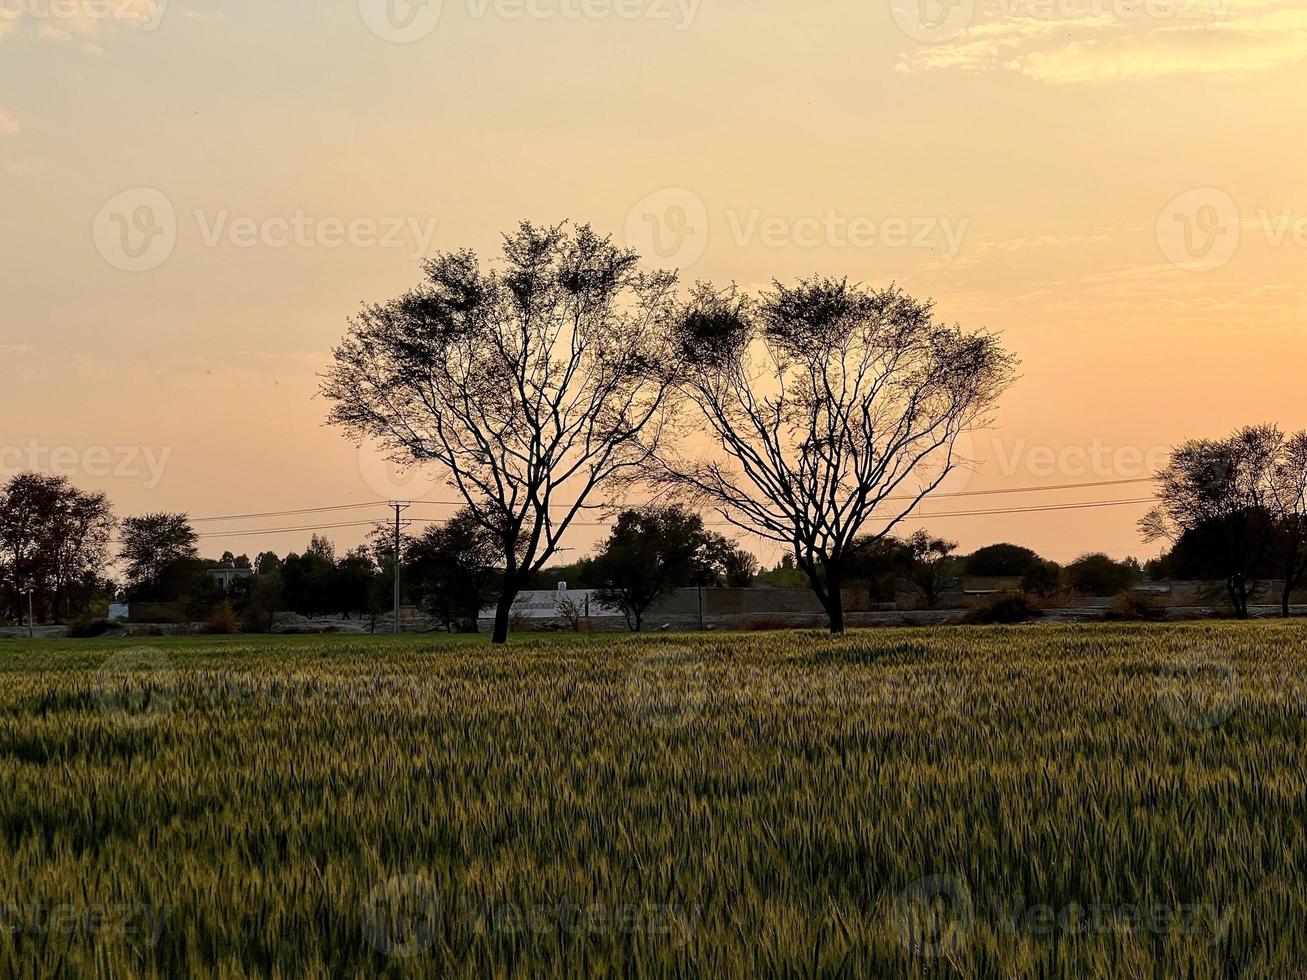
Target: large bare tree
(835,410)
(532,385)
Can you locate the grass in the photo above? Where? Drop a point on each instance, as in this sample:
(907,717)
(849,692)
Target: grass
(1112,800)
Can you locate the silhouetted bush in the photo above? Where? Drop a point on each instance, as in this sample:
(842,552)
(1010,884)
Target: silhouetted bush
(1007,608)
(1133,607)
(85,629)
(223,621)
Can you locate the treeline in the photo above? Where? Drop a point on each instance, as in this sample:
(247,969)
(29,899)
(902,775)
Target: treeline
(1234,511)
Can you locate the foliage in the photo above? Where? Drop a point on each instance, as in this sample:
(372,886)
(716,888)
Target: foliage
(1235,506)
(265,599)
(54,541)
(834,407)
(530,387)
(1130,606)
(223,621)
(1098,575)
(450,569)
(153,548)
(1001,561)
(930,566)
(1005,608)
(649,553)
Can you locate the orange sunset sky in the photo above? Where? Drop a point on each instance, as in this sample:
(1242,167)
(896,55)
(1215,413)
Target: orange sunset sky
(195,196)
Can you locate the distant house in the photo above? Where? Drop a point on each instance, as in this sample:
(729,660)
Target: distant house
(227,577)
(544,606)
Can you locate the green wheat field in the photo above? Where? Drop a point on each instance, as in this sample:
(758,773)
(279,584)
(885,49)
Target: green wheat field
(1080,801)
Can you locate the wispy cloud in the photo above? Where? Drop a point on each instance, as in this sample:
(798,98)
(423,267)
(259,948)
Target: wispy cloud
(1067,44)
(9,126)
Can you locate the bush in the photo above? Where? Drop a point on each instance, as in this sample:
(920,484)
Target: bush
(1133,607)
(1007,608)
(85,629)
(223,621)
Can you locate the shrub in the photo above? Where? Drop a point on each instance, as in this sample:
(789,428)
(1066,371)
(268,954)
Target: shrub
(1008,608)
(85,629)
(1132,607)
(223,621)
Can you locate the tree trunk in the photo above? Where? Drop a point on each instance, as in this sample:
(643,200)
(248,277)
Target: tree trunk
(828,594)
(1291,575)
(503,612)
(1238,596)
(835,602)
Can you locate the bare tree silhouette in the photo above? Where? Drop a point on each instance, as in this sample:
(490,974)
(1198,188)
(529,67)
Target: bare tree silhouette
(531,386)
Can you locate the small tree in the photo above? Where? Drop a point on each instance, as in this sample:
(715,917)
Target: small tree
(1001,561)
(1216,492)
(1100,575)
(726,563)
(648,554)
(264,602)
(152,547)
(833,408)
(1287,498)
(450,567)
(531,388)
(570,611)
(931,567)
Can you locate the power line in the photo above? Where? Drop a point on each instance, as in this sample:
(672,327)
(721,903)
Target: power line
(1040,489)
(458,503)
(289,513)
(1040,509)
(288,530)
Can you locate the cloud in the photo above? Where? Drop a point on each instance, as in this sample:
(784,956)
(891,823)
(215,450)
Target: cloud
(1120,41)
(8,124)
(1240,47)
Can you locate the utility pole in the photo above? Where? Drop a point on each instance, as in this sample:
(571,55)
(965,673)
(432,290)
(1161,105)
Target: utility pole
(399,506)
